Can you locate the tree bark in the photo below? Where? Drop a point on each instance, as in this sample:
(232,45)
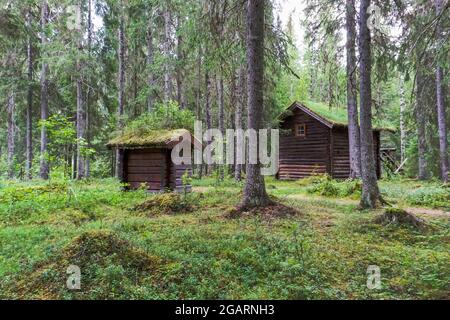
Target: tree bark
(198,107)
(352,107)
(88,90)
(370,192)
(29,113)
(121,80)
(238,118)
(11,105)
(402,121)
(440,104)
(179,75)
(167,41)
(421,119)
(150,58)
(208,110)
(221,120)
(81,116)
(44,166)
(255,194)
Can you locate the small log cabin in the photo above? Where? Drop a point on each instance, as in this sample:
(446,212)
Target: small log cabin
(146,159)
(314,140)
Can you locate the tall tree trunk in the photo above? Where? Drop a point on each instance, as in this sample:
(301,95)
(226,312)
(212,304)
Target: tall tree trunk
(238,118)
(198,106)
(179,75)
(198,92)
(442,118)
(255,194)
(11,105)
(421,122)
(167,46)
(44,166)
(81,117)
(150,58)
(221,120)
(88,90)
(29,113)
(208,110)
(121,82)
(402,121)
(370,192)
(353,124)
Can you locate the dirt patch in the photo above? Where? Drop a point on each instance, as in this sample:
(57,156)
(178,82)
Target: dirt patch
(93,252)
(400,217)
(272,211)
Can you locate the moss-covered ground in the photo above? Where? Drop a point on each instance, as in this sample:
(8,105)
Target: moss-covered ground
(131,245)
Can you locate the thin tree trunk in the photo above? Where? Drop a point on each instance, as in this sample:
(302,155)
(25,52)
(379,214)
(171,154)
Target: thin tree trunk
(238,118)
(221,120)
(370,192)
(353,124)
(81,117)
(179,75)
(29,133)
(402,121)
(167,40)
(88,91)
(44,166)
(208,110)
(442,118)
(150,58)
(421,119)
(11,134)
(121,80)
(198,107)
(255,194)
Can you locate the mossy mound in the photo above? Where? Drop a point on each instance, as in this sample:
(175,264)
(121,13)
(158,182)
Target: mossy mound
(104,260)
(167,203)
(273,210)
(400,217)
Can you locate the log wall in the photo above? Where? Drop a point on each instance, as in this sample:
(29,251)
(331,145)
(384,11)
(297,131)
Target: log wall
(322,150)
(147,166)
(302,156)
(154,168)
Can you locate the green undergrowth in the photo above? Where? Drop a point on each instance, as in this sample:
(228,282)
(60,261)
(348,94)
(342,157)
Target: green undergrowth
(161,252)
(324,185)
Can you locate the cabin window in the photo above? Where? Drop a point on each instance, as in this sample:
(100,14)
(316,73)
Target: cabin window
(300,130)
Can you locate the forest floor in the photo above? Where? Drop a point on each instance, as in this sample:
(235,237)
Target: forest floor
(131,245)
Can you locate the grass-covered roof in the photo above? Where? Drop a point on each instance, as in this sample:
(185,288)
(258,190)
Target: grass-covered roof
(138,138)
(335,116)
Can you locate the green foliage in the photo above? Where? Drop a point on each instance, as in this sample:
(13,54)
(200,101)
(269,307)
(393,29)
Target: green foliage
(167,116)
(62,137)
(322,253)
(437,197)
(324,185)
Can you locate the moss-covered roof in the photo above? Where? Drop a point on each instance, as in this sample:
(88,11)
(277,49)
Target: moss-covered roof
(147,138)
(334,116)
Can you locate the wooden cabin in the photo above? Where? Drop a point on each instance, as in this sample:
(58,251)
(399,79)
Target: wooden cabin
(146,159)
(314,140)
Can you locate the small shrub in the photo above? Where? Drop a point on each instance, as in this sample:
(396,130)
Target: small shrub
(324,185)
(438,197)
